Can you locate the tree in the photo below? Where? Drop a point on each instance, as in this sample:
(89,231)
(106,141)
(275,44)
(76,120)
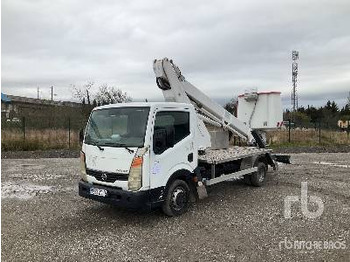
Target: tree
(300,119)
(84,93)
(286,115)
(105,95)
(330,113)
(231,106)
(315,114)
(110,95)
(301,109)
(334,108)
(328,105)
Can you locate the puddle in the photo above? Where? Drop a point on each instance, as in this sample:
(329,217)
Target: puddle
(331,164)
(23,191)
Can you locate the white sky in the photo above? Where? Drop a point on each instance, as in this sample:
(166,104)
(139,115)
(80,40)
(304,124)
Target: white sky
(222,47)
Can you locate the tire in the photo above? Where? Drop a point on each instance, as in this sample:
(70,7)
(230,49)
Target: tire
(258,178)
(247,180)
(177,198)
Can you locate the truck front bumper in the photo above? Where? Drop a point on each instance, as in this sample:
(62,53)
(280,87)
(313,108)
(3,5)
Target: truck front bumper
(142,200)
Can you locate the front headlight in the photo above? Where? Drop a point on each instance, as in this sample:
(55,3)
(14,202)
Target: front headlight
(135,175)
(83,166)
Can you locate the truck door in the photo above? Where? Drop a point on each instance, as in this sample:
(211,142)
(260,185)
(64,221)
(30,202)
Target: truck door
(172,146)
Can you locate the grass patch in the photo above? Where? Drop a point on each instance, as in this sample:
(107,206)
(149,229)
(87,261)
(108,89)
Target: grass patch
(307,137)
(20,145)
(43,139)
(301,144)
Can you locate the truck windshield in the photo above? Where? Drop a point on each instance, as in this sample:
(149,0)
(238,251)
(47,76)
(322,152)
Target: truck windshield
(117,127)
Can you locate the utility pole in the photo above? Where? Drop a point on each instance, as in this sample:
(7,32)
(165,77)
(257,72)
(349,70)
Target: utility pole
(294,97)
(51,93)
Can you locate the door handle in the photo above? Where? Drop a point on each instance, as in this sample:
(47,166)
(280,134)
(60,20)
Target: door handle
(190,157)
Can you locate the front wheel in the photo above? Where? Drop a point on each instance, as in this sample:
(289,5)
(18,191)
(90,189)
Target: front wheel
(258,178)
(177,198)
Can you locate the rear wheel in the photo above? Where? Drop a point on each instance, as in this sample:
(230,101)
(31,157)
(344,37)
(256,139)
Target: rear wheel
(177,198)
(258,178)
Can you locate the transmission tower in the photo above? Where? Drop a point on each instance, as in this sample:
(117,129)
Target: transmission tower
(295,57)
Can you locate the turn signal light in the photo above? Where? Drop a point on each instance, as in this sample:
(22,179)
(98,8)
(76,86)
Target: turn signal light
(83,166)
(135,174)
(137,161)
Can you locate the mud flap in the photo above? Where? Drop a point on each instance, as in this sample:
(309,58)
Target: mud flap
(282,158)
(271,161)
(201,190)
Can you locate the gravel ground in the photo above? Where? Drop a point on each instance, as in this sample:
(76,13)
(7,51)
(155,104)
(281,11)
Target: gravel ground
(66,153)
(44,219)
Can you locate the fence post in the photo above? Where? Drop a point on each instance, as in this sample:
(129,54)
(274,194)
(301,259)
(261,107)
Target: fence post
(319,132)
(289,130)
(24,128)
(329,131)
(69,132)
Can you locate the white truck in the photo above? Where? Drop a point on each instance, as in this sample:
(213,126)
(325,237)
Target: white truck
(165,154)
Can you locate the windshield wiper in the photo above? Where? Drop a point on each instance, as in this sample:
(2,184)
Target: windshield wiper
(127,148)
(99,147)
(122,145)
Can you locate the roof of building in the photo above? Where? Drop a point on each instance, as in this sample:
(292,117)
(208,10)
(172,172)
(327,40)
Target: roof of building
(29,100)
(5,98)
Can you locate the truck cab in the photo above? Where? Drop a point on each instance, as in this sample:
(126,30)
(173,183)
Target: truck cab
(131,151)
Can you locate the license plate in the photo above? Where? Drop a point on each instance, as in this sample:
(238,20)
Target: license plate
(98,192)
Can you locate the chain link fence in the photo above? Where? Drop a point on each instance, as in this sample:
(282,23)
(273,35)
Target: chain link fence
(316,133)
(62,132)
(40,133)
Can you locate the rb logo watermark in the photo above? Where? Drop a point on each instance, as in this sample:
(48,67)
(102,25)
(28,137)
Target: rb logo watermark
(303,199)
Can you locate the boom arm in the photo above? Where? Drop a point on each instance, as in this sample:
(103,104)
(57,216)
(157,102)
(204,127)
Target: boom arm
(176,89)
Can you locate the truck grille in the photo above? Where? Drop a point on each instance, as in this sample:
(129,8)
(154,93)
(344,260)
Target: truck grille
(106,176)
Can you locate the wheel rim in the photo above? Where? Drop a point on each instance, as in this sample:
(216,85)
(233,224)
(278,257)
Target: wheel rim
(261,175)
(178,198)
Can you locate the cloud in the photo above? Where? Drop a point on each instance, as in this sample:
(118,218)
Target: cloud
(222,47)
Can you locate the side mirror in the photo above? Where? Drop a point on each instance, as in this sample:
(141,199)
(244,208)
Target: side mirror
(81,136)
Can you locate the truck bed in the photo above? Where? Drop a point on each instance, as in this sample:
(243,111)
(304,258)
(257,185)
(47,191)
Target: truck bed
(218,156)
